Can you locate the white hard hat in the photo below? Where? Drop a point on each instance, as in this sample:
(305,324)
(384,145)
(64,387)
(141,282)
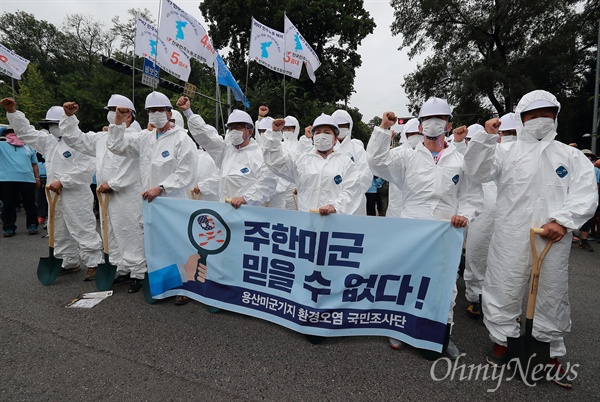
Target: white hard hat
(156,99)
(325,120)
(291,121)
(53,115)
(538,104)
(411,126)
(266,123)
(239,116)
(117,100)
(507,122)
(343,117)
(473,128)
(435,107)
(175,115)
(535,100)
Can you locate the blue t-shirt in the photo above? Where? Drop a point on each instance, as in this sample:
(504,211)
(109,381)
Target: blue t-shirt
(15,163)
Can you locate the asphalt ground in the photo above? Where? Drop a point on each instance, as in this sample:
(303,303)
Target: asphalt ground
(126,349)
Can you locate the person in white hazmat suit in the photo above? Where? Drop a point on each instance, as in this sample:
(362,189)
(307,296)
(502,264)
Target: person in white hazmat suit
(245,179)
(409,138)
(508,128)
(355,149)
(69,173)
(431,179)
(119,178)
(541,183)
(326,179)
(167,155)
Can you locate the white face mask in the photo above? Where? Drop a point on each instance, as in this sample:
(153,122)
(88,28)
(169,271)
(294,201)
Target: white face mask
(110,116)
(323,141)
(158,119)
(344,132)
(414,140)
(236,137)
(539,127)
(508,138)
(434,127)
(288,135)
(54,130)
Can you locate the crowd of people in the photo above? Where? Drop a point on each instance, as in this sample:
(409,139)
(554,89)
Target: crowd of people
(497,180)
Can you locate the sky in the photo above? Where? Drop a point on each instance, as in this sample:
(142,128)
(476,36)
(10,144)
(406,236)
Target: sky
(378,82)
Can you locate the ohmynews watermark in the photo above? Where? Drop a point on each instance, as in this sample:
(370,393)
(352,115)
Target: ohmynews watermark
(456,370)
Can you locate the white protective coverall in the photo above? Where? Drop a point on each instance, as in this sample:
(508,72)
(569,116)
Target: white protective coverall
(208,177)
(538,182)
(75,237)
(395,196)
(320,181)
(169,161)
(355,149)
(429,190)
(284,194)
(243,171)
(124,213)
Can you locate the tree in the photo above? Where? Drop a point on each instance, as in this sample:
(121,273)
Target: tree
(92,39)
(35,97)
(334,29)
(126,30)
(374,122)
(486,55)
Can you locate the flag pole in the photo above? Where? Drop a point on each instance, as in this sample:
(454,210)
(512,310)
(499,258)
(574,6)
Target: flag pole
(155,81)
(12,84)
(284,67)
(247,75)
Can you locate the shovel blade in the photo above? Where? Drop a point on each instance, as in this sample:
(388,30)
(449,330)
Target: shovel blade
(49,268)
(528,357)
(105,275)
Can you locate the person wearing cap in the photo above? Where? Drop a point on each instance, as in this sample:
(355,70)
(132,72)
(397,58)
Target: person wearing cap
(167,155)
(584,231)
(355,149)
(541,183)
(19,176)
(431,179)
(118,177)
(325,178)
(409,138)
(245,179)
(69,173)
(508,128)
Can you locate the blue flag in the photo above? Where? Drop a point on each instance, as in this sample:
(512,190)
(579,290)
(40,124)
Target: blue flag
(225,78)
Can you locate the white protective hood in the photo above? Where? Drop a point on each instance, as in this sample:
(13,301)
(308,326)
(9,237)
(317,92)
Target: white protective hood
(534,100)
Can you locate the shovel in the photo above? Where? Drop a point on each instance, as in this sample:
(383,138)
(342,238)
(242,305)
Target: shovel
(531,354)
(49,267)
(105,274)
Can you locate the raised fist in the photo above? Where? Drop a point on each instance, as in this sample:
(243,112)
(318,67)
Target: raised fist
(388,120)
(263,111)
(9,104)
(278,124)
(460,133)
(183,103)
(70,108)
(492,126)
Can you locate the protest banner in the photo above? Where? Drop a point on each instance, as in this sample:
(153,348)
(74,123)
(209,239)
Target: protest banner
(267,47)
(337,275)
(11,63)
(153,47)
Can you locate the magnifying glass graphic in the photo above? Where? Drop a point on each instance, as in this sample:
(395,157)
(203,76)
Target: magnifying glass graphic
(209,234)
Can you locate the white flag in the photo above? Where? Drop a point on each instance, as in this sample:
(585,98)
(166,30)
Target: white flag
(168,57)
(267,47)
(12,64)
(186,33)
(295,42)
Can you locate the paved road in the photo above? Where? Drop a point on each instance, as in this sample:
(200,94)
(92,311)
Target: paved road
(125,349)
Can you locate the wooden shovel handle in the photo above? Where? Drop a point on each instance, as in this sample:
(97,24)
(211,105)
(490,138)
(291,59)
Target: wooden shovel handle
(52,198)
(536,266)
(103,201)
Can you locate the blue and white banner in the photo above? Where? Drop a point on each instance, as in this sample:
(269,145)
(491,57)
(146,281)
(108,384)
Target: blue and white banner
(296,46)
(11,63)
(337,275)
(267,47)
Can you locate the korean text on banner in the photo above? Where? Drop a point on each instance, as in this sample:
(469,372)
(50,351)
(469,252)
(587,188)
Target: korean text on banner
(169,58)
(325,276)
(295,42)
(185,33)
(267,47)
(11,63)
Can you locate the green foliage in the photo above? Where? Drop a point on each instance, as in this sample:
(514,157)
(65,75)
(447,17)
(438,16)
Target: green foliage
(486,55)
(334,29)
(35,97)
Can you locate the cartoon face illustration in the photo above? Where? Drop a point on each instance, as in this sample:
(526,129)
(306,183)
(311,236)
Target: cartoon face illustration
(208,232)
